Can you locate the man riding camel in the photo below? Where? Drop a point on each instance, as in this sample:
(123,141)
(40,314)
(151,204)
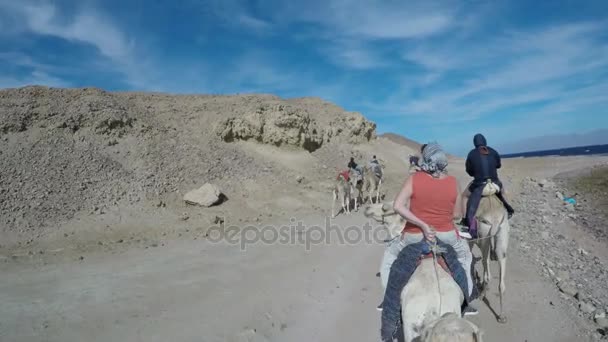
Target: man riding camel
(482,164)
(357,168)
(415,160)
(374,165)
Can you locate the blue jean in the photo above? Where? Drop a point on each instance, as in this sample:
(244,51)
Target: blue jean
(394,247)
(401,271)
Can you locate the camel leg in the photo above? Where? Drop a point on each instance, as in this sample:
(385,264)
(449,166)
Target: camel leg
(502,318)
(502,242)
(333,204)
(484,245)
(345,204)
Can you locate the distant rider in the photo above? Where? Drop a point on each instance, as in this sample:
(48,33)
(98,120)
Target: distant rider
(482,164)
(357,168)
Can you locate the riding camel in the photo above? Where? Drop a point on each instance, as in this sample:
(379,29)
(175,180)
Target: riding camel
(431,300)
(372,182)
(356,181)
(493,239)
(342,191)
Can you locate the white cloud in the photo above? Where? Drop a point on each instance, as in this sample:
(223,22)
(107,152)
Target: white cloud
(367,19)
(353,54)
(35,77)
(514,69)
(91,28)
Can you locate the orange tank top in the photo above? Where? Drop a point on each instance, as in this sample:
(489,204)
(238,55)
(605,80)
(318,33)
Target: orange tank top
(433,202)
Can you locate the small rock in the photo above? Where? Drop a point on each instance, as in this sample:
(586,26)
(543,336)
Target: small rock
(120,241)
(218,220)
(206,196)
(586,307)
(160,204)
(599,315)
(567,288)
(184,217)
(112,142)
(582,252)
(545,235)
(580,297)
(559,195)
(299,179)
(563,275)
(81,257)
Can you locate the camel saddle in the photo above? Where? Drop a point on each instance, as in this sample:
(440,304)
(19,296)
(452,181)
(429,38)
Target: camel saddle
(440,261)
(490,189)
(344,174)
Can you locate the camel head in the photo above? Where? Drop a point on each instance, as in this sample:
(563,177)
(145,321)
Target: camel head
(384,213)
(379,211)
(451,328)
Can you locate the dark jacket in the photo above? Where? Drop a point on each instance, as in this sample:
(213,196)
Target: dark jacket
(352,164)
(401,271)
(483,161)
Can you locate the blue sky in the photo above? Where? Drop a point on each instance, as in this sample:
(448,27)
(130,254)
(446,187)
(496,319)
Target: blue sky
(441,70)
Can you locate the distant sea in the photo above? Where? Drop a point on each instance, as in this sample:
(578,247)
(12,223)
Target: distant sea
(571,151)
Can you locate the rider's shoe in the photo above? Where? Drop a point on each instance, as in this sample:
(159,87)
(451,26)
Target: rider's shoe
(379,307)
(465,235)
(470,311)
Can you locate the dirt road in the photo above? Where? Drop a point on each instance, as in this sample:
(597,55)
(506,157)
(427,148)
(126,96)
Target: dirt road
(201,291)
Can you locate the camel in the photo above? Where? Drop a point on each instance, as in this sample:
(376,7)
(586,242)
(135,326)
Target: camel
(431,300)
(493,229)
(341,190)
(372,183)
(356,183)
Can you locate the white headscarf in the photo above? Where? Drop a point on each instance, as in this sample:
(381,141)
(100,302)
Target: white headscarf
(434,160)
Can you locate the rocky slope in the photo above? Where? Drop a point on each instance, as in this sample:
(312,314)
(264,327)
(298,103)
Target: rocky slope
(73,152)
(566,242)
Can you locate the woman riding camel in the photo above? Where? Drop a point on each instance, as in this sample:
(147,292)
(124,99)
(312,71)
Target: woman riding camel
(429,201)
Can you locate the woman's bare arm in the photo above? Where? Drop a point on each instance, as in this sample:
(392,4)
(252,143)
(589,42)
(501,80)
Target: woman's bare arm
(400,207)
(458,207)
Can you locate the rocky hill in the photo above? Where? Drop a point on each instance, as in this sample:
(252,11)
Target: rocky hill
(79,153)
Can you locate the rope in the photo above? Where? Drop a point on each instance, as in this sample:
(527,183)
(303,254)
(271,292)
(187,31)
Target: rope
(435,249)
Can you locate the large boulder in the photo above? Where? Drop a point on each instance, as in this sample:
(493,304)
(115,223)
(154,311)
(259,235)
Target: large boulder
(206,196)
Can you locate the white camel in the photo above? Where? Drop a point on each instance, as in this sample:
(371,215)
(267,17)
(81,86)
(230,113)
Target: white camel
(431,300)
(493,239)
(341,191)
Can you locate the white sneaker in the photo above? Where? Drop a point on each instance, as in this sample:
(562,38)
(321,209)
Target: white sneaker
(465,235)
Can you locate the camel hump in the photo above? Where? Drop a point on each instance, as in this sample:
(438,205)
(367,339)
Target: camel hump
(490,189)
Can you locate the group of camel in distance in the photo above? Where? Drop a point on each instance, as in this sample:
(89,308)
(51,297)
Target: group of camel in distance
(430,315)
